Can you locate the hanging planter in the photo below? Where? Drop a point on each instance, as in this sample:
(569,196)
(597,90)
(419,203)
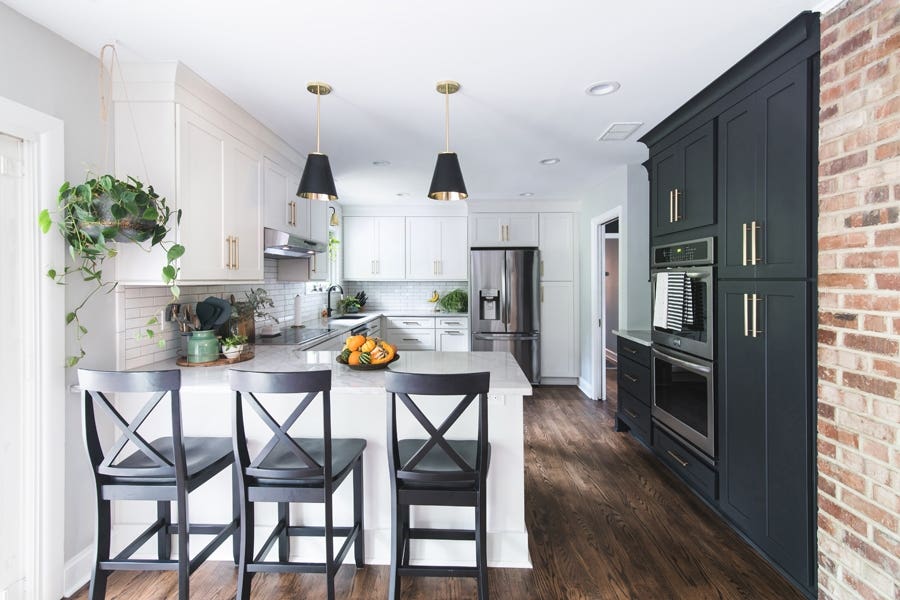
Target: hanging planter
(93,217)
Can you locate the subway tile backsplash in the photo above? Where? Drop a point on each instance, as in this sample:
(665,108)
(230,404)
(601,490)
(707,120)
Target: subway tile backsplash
(402,295)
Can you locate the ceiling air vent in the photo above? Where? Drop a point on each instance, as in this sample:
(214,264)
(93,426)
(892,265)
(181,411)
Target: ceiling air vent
(617,132)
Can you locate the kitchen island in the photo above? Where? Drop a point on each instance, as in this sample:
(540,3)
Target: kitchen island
(359,410)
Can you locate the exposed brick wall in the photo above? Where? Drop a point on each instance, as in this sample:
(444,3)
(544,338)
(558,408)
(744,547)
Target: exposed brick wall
(859,302)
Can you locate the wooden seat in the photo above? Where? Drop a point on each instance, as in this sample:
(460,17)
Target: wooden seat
(435,471)
(164,470)
(293,469)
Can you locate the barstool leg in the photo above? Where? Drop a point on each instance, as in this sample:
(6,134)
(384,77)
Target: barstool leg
(359,545)
(396,549)
(481,545)
(163,538)
(236,514)
(99,576)
(184,536)
(247,528)
(405,544)
(284,540)
(330,567)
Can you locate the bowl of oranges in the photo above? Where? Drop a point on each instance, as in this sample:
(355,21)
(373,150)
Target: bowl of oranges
(367,353)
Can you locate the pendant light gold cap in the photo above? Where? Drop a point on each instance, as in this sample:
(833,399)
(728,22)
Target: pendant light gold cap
(448,86)
(319,88)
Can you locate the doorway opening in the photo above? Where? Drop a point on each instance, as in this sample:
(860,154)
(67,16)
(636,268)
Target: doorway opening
(607,310)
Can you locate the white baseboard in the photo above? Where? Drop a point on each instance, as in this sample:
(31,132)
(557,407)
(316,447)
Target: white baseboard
(559,381)
(586,388)
(15,591)
(77,571)
(611,356)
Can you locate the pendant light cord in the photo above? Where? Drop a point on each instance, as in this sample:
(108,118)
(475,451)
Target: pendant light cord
(318,109)
(447,119)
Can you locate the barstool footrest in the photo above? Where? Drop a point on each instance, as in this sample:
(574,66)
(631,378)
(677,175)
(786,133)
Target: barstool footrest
(285,567)
(140,540)
(423,571)
(138,565)
(418,533)
(223,535)
(312,531)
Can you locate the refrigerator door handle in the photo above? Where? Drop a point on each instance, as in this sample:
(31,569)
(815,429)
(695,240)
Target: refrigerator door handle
(504,293)
(505,337)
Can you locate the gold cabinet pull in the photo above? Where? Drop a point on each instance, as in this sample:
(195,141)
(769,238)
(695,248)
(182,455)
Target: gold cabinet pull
(237,253)
(677,458)
(542,294)
(542,268)
(746,315)
(743,244)
(755,331)
(671,208)
(629,350)
(630,377)
(675,195)
(753,258)
(630,413)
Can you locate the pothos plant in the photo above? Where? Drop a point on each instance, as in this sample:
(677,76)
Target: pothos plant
(92,217)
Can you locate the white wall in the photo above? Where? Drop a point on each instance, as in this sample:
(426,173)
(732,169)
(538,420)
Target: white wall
(628,187)
(43,71)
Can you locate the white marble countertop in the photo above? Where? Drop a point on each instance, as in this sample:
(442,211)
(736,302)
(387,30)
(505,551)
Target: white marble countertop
(637,336)
(506,375)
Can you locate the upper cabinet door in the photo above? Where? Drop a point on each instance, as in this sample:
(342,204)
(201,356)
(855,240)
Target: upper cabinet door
(557,246)
(764,167)
(423,247)
(359,248)
(201,197)
(522,229)
(318,219)
(486,229)
(243,208)
(391,255)
(454,260)
(683,190)
(277,210)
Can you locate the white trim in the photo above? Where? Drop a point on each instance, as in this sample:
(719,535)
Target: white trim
(44,420)
(598,301)
(586,388)
(77,571)
(827,6)
(611,356)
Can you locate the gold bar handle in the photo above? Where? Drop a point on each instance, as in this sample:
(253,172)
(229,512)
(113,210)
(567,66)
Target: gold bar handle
(630,378)
(753,258)
(230,252)
(677,218)
(671,208)
(756,331)
(440,267)
(237,253)
(542,268)
(743,244)
(677,458)
(542,294)
(746,316)
(630,413)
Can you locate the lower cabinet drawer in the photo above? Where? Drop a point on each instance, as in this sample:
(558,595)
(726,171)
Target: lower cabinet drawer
(634,378)
(410,322)
(635,414)
(412,339)
(685,462)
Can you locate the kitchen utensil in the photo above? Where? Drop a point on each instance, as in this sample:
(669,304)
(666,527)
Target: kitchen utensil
(224,306)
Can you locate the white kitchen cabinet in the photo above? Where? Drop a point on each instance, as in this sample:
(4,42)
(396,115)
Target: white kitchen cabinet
(411,339)
(243,210)
(452,340)
(318,220)
(436,248)
(374,248)
(558,339)
(503,229)
(557,246)
(282,209)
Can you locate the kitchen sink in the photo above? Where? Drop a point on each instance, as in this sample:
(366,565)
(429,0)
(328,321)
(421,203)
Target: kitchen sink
(348,317)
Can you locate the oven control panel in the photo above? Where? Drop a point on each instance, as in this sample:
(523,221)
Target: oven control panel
(695,252)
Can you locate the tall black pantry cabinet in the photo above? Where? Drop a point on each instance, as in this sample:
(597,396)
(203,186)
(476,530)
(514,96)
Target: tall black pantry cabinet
(762,117)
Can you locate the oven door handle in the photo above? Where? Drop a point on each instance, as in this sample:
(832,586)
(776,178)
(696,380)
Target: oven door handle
(686,364)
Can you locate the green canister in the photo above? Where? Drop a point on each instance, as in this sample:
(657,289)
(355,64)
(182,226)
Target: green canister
(203,347)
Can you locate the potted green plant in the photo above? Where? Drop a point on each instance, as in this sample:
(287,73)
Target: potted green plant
(245,312)
(233,345)
(93,217)
(349,304)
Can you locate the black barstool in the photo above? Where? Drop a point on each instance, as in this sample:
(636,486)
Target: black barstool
(289,469)
(165,470)
(437,472)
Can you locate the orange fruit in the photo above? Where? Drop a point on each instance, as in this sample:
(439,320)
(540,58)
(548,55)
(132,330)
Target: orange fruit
(354,358)
(355,341)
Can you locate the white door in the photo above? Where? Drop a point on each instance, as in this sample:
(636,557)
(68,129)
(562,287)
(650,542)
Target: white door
(359,248)
(486,229)
(558,337)
(201,172)
(12,201)
(453,340)
(454,259)
(522,229)
(423,247)
(391,257)
(243,208)
(557,247)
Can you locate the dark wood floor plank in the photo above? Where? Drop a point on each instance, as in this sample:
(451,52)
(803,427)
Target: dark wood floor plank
(605,520)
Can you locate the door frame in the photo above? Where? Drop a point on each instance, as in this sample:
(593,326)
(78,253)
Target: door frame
(598,295)
(44,386)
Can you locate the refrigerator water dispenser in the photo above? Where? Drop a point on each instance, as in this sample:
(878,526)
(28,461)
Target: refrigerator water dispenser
(488,301)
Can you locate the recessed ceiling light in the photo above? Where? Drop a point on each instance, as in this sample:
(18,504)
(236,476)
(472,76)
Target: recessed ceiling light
(527,194)
(602,88)
(549,161)
(381,163)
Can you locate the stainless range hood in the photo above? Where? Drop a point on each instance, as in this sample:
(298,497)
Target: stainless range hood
(280,244)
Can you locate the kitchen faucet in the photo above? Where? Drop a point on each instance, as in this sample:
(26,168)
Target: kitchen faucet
(334,287)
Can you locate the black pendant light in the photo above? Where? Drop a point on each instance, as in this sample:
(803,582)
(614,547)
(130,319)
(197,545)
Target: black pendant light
(447,182)
(317,182)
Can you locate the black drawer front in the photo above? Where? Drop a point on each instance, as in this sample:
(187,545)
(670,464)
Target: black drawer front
(635,414)
(634,378)
(696,472)
(633,351)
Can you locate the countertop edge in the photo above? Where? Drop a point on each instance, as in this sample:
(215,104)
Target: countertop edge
(637,336)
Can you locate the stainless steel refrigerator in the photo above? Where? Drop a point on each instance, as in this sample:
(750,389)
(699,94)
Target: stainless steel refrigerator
(504,305)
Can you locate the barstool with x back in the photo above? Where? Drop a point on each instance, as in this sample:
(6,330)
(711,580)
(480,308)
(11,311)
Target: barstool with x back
(437,472)
(292,469)
(165,470)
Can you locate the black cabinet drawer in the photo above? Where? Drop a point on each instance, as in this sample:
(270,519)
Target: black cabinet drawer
(685,462)
(634,378)
(635,414)
(634,351)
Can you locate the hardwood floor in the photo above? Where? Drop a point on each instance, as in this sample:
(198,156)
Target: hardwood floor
(605,520)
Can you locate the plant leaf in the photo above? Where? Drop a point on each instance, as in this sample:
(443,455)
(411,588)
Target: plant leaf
(152,321)
(51,273)
(70,317)
(175,252)
(150,213)
(176,291)
(168,273)
(149,333)
(44,220)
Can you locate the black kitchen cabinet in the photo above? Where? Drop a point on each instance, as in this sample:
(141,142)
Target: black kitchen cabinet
(764,174)
(683,183)
(766,451)
(633,384)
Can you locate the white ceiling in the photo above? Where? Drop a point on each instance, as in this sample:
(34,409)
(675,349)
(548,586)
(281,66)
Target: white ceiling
(523,65)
